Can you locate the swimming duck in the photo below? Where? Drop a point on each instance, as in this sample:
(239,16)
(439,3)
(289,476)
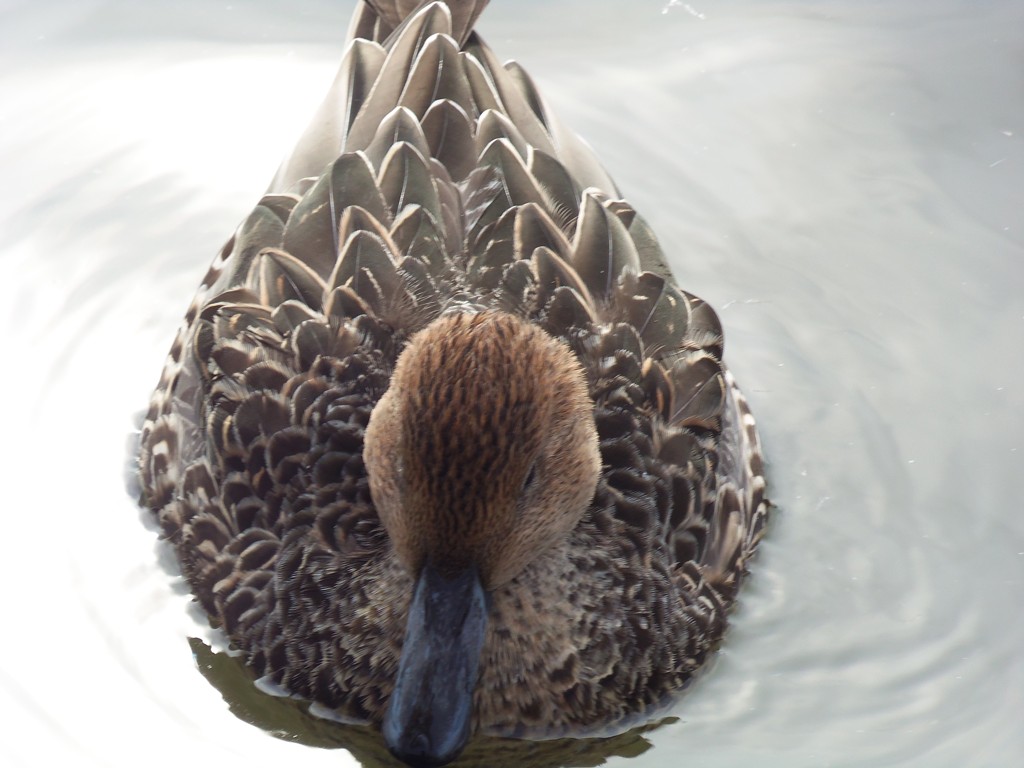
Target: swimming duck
(440,444)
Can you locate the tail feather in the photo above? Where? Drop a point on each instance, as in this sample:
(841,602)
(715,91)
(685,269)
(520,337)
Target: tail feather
(383,16)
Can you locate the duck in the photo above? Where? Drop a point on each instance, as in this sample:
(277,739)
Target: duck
(440,445)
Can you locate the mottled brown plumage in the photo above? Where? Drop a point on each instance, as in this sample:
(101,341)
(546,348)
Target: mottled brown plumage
(507,461)
(442,337)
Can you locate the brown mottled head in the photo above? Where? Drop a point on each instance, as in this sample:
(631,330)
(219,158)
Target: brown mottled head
(483,451)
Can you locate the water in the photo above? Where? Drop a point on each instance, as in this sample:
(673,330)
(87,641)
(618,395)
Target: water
(843,180)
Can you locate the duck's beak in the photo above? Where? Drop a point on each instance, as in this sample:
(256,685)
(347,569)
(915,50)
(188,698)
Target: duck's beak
(431,708)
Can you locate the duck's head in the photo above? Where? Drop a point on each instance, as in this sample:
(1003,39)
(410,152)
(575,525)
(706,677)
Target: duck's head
(482,455)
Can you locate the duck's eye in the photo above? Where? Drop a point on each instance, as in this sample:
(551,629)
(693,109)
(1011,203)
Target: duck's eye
(531,475)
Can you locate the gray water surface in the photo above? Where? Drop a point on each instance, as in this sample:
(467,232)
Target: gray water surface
(842,179)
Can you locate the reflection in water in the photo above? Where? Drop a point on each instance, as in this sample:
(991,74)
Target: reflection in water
(843,180)
(290,719)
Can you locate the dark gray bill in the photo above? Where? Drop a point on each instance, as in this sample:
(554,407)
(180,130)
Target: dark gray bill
(431,709)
